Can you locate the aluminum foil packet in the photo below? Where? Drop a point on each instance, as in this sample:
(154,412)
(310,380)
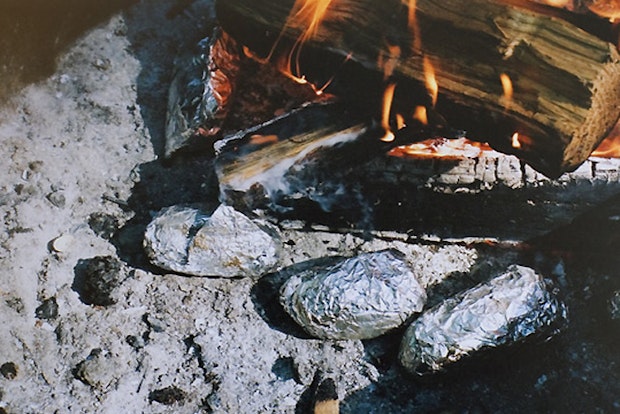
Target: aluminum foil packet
(357,298)
(515,305)
(225,243)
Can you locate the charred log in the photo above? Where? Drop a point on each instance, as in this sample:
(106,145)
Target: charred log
(565,80)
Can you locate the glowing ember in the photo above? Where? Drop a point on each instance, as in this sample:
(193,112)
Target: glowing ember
(442,148)
(605,8)
(515,141)
(508,89)
(431,81)
(263,139)
(388,96)
(557,3)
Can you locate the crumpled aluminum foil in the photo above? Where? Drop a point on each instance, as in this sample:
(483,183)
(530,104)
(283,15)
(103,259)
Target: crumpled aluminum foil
(357,298)
(512,306)
(226,243)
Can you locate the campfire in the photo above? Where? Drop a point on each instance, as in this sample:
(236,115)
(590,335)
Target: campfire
(446,122)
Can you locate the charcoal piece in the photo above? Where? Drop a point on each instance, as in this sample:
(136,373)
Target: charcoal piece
(225,243)
(96,280)
(357,298)
(9,370)
(515,305)
(48,309)
(167,396)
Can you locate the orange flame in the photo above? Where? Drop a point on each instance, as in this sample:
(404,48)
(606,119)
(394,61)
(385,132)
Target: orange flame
(508,89)
(388,96)
(610,147)
(306,17)
(413,25)
(388,61)
(431,81)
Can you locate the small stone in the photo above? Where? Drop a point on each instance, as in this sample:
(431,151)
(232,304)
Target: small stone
(98,370)
(62,243)
(96,280)
(167,396)
(9,370)
(225,244)
(57,199)
(358,298)
(47,310)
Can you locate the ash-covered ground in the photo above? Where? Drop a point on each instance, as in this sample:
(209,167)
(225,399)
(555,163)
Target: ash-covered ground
(88,326)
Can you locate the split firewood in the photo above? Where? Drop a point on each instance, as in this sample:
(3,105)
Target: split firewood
(306,156)
(534,81)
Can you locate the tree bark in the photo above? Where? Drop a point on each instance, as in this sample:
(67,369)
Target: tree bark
(565,80)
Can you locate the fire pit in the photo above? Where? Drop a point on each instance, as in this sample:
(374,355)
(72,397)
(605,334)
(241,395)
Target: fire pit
(329,150)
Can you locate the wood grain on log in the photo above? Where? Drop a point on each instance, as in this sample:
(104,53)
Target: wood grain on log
(566,81)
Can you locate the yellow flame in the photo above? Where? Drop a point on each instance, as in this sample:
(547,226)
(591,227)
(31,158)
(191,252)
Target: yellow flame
(508,89)
(388,96)
(431,81)
(420,115)
(400,122)
(516,143)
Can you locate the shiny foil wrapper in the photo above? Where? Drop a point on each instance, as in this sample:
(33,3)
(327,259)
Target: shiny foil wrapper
(515,305)
(225,243)
(357,298)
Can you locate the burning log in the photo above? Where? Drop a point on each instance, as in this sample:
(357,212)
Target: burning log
(512,73)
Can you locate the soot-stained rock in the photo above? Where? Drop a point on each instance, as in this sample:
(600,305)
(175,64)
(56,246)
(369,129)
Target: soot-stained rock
(357,298)
(225,243)
(96,280)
